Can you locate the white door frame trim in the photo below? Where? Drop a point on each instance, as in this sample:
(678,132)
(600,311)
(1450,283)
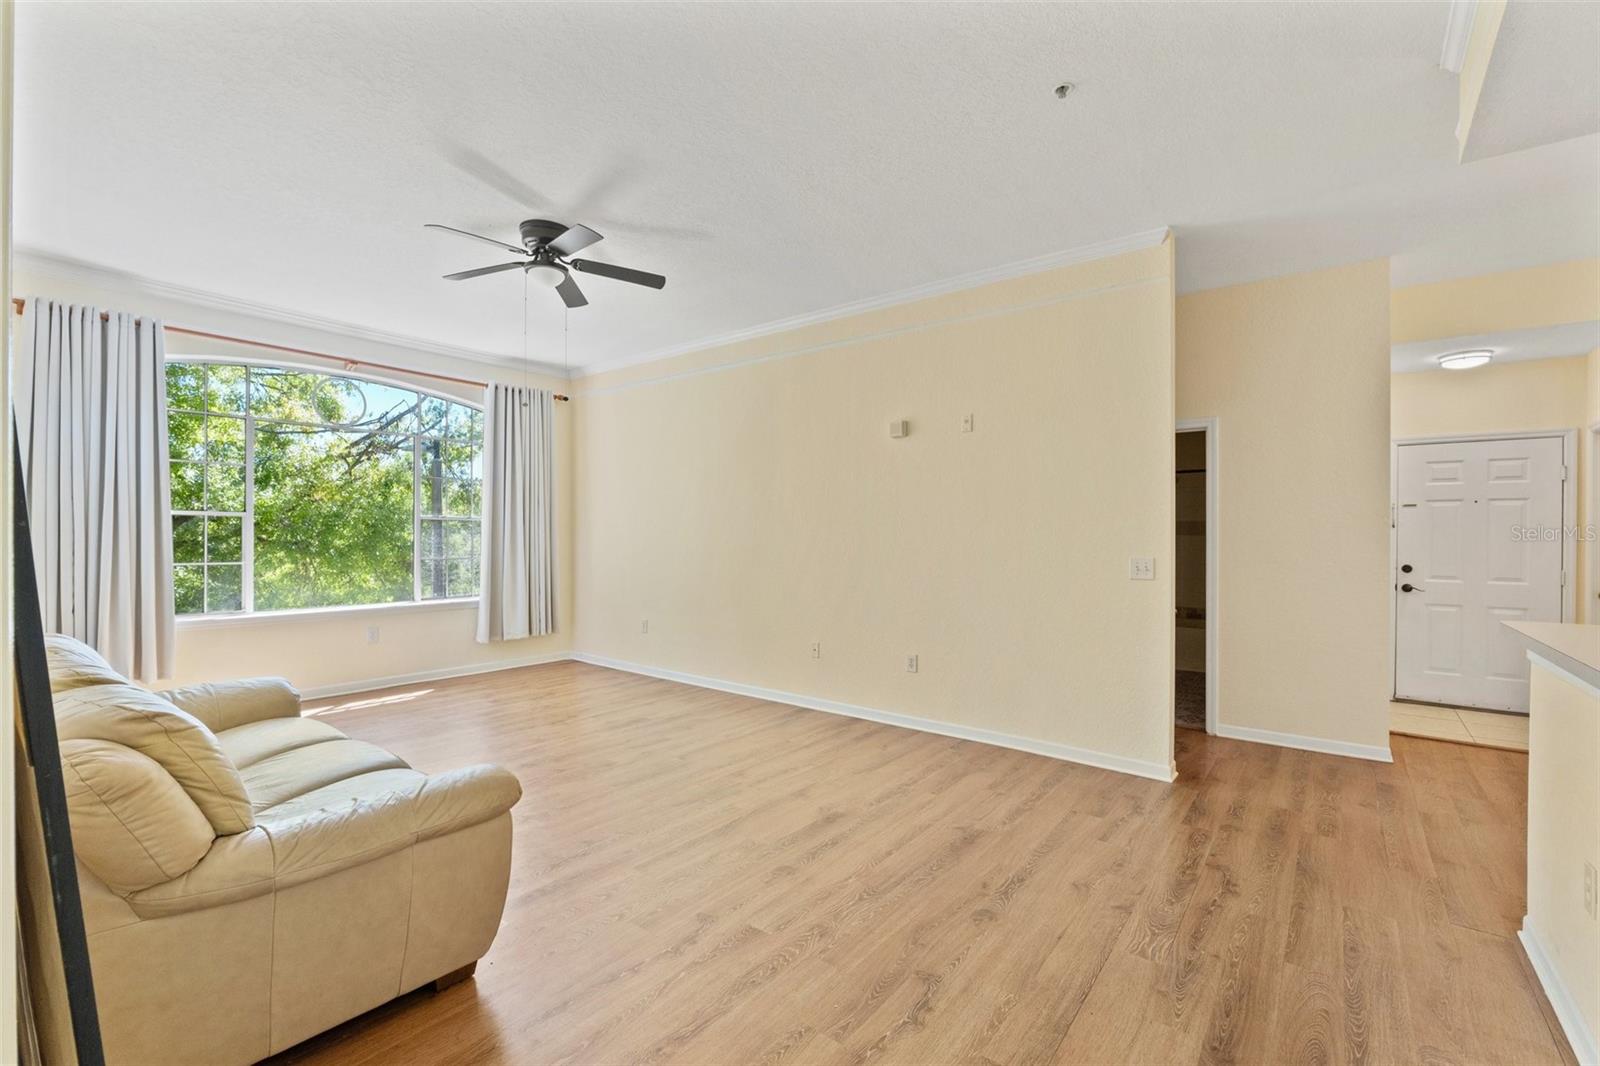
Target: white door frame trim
(1208,426)
(1591,588)
(1569,520)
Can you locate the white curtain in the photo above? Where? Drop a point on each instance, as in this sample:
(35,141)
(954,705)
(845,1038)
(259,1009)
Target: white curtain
(91,409)
(517,575)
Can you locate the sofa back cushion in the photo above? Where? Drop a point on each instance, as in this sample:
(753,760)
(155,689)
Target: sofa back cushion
(135,718)
(73,664)
(133,825)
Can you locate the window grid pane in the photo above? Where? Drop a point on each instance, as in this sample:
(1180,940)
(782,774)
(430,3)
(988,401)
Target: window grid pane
(321,467)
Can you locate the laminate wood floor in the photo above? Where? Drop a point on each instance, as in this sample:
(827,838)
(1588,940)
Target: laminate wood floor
(708,878)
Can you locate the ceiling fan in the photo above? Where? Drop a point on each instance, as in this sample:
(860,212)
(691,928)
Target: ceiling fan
(547,249)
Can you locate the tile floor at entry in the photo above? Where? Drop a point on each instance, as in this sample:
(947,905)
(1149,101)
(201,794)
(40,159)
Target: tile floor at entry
(1487,729)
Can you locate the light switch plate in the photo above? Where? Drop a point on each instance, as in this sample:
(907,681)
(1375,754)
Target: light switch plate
(1142,568)
(911,664)
(966,423)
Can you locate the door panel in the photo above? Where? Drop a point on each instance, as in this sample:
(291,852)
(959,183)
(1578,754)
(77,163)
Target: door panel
(1444,541)
(1508,562)
(1466,520)
(1508,655)
(1444,639)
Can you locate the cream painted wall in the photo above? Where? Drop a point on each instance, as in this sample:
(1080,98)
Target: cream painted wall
(1592,414)
(748,501)
(1564,831)
(1589,544)
(1537,394)
(1494,303)
(1296,370)
(330,650)
(1503,398)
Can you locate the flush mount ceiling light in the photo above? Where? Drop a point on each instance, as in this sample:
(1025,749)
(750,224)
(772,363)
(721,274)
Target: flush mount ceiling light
(1466,360)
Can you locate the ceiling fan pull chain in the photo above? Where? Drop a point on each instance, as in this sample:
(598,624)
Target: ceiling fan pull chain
(524,339)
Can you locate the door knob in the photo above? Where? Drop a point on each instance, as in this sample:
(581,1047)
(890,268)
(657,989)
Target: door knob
(1409,587)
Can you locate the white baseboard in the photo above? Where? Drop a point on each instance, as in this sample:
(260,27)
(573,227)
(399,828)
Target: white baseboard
(1561,1001)
(345,688)
(1065,752)
(1373,752)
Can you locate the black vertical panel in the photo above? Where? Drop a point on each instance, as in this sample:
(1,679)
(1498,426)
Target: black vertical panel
(39,730)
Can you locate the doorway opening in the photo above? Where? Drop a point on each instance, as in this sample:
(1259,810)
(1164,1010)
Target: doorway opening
(1194,576)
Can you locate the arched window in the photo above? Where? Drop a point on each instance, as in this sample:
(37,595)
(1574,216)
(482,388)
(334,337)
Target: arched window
(294,489)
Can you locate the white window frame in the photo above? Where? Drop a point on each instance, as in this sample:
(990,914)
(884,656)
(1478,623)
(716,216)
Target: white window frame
(247,516)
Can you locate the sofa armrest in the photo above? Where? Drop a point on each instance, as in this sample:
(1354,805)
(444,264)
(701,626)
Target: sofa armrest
(228,704)
(460,798)
(360,828)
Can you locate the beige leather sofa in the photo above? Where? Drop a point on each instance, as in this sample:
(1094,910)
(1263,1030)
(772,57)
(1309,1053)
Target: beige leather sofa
(251,877)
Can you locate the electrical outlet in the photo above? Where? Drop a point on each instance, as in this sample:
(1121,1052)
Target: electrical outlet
(966,423)
(911,664)
(816,649)
(372,634)
(1142,568)
(1590,888)
(644,625)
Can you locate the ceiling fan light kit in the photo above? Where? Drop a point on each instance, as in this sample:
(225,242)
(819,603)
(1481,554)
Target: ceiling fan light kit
(546,274)
(547,250)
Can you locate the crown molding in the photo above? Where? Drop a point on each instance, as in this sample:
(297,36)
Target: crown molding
(1457,32)
(65,268)
(1082,254)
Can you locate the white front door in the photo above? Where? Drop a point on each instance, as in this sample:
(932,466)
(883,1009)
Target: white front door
(1479,542)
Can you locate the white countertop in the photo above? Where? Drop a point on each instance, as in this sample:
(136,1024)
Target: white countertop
(1568,646)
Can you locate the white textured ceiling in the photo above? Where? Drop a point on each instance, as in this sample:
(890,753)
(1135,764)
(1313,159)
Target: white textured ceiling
(772,160)
(1543,80)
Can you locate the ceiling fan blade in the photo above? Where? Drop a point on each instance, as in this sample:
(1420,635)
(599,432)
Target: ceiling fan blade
(606,270)
(476,237)
(481,271)
(574,239)
(571,295)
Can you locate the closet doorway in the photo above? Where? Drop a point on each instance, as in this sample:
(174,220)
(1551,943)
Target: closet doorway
(1194,576)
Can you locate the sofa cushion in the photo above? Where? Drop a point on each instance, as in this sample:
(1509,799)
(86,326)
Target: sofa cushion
(247,745)
(236,868)
(368,815)
(73,664)
(223,705)
(132,824)
(300,770)
(342,794)
(128,715)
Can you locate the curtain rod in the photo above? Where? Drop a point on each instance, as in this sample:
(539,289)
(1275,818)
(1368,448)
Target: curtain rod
(348,362)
